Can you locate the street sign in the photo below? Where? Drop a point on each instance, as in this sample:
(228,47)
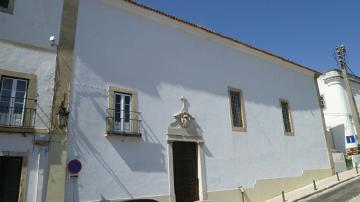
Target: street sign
(350,139)
(74,166)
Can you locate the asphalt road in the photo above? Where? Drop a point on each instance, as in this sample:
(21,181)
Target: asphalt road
(349,191)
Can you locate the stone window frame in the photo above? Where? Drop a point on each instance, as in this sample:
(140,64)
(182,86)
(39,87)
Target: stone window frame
(31,95)
(291,132)
(24,172)
(133,107)
(243,128)
(10,9)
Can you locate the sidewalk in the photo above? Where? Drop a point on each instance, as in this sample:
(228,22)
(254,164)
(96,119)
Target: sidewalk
(321,185)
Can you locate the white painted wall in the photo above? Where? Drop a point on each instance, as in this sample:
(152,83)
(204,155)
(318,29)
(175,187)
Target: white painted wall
(40,62)
(14,57)
(36,161)
(32,22)
(123,46)
(25,47)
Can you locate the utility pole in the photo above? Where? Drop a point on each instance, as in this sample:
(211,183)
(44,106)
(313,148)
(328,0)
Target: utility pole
(341,52)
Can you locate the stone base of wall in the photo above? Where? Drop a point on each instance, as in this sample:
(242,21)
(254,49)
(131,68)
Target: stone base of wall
(264,189)
(269,188)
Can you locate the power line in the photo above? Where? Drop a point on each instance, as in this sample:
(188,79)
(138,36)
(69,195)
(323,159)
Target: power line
(335,56)
(350,70)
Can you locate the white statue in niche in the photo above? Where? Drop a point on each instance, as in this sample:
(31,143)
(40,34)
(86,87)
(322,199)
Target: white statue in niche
(183,117)
(184,126)
(185,105)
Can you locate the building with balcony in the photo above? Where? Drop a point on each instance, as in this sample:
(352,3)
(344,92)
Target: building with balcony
(27,81)
(165,109)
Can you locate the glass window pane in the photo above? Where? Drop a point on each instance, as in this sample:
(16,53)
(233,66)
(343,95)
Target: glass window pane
(19,97)
(236,108)
(7,84)
(127,113)
(117,107)
(127,99)
(4,107)
(18,108)
(117,117)
(5,95)
(117,98)
(21,85)
(127,108)
(286,116)
(127,117)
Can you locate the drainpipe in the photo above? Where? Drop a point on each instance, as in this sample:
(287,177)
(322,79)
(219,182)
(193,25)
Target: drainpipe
(37,175)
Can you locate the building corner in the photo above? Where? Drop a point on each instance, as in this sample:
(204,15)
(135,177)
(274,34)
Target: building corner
(55,190)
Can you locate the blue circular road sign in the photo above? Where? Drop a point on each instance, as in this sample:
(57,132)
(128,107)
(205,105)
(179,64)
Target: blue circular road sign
(74,166)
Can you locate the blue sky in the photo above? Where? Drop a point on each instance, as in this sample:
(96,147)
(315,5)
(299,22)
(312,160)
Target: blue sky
(304,31)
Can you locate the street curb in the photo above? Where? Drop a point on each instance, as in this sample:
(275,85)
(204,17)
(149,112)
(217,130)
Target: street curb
(326,188)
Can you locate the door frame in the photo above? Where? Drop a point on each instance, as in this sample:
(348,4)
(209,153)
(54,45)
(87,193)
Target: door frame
(197,165)
(200,166)
(185,128)
(23,175)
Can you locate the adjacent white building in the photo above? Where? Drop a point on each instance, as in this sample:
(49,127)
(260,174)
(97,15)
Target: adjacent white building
(337,113)
(27,71)
(246,118)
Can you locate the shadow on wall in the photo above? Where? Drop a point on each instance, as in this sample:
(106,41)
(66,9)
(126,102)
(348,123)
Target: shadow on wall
(337,137)
(148,151)
(145,154)
(83,144)
(139,154)
(79,143)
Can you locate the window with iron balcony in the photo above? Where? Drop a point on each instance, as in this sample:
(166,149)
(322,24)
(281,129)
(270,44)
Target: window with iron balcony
(17,103)
(122,115)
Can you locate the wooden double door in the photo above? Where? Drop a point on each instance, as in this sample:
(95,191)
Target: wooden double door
(185,171)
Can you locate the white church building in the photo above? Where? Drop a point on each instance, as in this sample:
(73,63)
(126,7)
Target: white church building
(165,109)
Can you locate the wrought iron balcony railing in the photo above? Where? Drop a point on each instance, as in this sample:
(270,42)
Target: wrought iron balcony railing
(123,122)
(17,112)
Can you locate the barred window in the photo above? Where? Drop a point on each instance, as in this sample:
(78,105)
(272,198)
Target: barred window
(236,109)
(286,116)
